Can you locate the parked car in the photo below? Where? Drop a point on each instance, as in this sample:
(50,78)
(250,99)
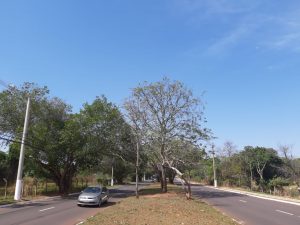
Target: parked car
(94,195)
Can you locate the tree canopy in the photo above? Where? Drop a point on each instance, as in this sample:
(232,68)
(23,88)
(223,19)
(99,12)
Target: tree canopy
(167,115)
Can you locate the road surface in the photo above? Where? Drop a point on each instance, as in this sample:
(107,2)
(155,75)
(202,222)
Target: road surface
(249,210)
(57,211)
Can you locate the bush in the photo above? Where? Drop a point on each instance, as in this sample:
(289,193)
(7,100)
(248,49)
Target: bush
(291,191)
(277,184)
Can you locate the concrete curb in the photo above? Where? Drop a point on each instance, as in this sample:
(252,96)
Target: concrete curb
(257,195)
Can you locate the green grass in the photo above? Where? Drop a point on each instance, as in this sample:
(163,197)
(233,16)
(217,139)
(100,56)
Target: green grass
(7,200)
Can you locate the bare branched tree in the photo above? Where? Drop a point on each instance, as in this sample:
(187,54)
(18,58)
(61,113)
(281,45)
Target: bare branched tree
(164,112)
(292,164)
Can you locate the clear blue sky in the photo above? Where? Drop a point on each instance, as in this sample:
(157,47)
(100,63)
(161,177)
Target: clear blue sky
(244,54)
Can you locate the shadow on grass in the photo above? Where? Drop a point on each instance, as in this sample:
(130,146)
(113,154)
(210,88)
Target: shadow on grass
(156,189)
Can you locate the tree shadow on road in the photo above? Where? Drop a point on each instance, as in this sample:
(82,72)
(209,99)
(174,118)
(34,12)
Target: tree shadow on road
(25,204)
(212,193)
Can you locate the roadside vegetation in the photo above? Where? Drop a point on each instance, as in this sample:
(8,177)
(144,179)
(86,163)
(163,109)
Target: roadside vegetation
(154,207)
(257,169)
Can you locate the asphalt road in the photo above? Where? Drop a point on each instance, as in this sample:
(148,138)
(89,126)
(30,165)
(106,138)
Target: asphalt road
(57,211)
(247,209)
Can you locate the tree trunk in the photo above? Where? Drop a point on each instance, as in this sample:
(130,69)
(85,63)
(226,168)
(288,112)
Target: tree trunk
(171,176)
(5,189)
(64,185)
(164,180)
(188,191)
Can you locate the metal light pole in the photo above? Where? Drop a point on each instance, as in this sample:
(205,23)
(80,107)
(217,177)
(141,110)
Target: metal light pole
(18,188)
(214,168)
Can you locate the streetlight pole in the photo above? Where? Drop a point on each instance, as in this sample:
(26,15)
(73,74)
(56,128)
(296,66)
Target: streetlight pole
(112,173)
(214,168)
(113,161)
(136,169)
(18,188)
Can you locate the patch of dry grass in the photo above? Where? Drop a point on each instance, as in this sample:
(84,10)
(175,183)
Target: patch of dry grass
(155,208)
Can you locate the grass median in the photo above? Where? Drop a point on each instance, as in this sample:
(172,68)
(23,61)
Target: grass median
(154,208)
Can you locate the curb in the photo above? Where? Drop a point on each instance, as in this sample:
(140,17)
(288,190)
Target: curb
(270,198)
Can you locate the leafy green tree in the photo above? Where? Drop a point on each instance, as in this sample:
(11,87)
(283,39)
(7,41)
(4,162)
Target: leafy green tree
(57,143)
(106,131)
(60,143)
(263,162)
(13,105)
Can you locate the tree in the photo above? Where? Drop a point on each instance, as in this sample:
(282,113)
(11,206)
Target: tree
(229,162)
(291,165)
(264,161)
(166,111)
(60,143)
(13,105)
(12,111)
(106,131)
(57,144)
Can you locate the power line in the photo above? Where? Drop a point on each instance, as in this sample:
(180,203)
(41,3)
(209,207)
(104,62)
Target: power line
(20,142)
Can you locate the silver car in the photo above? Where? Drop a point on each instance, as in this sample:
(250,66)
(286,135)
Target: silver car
(95,195)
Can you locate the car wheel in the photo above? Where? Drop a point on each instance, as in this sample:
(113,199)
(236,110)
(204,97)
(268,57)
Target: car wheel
(100,202)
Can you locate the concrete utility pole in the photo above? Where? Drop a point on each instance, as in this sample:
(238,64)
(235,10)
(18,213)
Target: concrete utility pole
(18,188)
(136,170)
(214,168)
(112,174)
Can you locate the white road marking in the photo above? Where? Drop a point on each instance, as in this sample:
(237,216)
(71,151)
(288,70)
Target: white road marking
(238,221)
(46,209)
(80,223)
(243,201)
(277,210)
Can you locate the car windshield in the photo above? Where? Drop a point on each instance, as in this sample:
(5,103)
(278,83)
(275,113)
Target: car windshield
(91,190)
